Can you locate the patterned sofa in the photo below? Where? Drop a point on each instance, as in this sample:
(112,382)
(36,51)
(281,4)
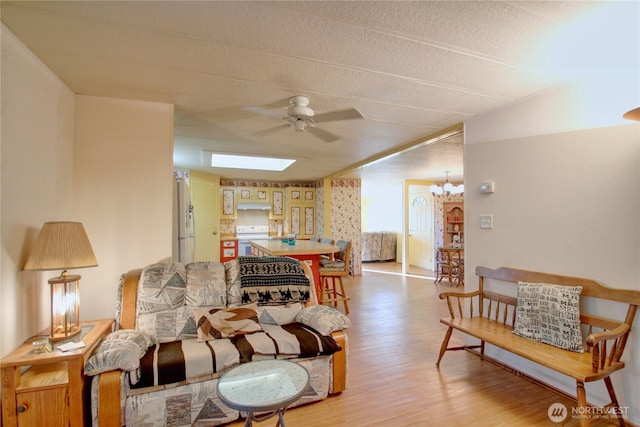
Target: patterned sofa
(379,246)
(179,327)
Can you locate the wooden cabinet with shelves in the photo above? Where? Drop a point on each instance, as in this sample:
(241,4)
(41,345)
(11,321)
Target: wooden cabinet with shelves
(48,389)
(453,213)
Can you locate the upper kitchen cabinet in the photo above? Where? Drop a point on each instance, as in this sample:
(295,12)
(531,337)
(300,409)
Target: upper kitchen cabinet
(229,209)
(302,195)
(277,210)
(254,194)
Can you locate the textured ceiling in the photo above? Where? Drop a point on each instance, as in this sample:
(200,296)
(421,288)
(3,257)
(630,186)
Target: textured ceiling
(411,69)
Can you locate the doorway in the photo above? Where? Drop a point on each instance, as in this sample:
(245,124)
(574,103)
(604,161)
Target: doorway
(420,206)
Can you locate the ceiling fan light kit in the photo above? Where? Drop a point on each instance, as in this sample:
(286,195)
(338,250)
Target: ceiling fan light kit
(299,125)
(302,118)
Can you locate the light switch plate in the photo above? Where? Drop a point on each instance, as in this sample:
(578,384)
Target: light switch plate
(487,187)
(486,221)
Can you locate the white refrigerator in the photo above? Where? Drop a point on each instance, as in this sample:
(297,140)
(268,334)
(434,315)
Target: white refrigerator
(184,224)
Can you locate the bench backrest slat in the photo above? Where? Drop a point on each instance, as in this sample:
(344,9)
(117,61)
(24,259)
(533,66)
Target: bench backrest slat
(598,322)
(590,287)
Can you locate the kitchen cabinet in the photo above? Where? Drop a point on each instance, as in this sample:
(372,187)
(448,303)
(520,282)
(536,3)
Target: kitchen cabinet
(301,210)
(302,195)
(253,194)
(228,249)
(277,210)
(229,208)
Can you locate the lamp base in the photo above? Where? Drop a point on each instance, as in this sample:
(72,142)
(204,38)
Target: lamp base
(61,336)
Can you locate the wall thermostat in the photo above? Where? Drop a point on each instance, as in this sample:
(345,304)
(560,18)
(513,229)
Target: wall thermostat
(487,187)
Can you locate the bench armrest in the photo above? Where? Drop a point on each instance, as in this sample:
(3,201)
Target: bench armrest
(597,337)
(597,345)
(455,305)
(444,295)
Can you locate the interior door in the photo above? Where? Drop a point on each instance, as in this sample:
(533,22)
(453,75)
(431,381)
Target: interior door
(205,196)
(420,227)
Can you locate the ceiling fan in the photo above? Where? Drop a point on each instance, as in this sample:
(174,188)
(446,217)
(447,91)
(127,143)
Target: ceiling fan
(302,118)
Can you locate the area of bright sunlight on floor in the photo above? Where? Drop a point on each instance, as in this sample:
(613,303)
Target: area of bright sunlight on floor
(395,269)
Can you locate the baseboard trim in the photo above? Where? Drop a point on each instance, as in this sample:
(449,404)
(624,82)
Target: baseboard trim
(523,375)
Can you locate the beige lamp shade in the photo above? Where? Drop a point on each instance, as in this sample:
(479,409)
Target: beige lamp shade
(633,114)
(61,245)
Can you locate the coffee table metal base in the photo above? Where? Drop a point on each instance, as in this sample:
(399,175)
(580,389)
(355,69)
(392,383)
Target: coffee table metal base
(269,386)
(253,417)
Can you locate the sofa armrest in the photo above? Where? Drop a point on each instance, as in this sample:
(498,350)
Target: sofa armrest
(340,363)
(109,389)
(129,302)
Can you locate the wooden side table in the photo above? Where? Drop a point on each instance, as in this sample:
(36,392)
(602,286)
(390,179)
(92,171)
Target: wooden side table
(48,388)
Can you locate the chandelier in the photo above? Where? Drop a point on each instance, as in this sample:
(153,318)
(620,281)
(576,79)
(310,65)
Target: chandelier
(447,188)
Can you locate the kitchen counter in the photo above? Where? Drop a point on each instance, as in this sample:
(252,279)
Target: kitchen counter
(303,250)
(302,247)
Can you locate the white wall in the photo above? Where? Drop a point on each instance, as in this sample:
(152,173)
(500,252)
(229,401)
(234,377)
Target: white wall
(567,201)
(104,162)
(382,205)
(36,173)
(123,175)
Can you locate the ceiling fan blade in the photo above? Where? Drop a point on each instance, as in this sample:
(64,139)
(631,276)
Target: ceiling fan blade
(270,131)
(264,112)
(281,103)
(348,114)
(322,134)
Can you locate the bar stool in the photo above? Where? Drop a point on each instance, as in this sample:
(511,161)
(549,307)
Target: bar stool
(326,241)
(331,273)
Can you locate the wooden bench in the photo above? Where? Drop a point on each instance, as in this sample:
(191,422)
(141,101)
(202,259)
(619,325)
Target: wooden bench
(491,317)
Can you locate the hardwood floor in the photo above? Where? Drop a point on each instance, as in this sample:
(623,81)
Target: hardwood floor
(396,267)
(392,378)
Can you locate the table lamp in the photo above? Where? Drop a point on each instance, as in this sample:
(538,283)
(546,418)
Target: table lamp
(62,246)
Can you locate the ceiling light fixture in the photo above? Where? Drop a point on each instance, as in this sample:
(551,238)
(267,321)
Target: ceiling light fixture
(240,161)
(447,188)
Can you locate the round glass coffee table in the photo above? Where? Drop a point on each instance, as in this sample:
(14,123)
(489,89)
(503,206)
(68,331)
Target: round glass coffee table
(263,386)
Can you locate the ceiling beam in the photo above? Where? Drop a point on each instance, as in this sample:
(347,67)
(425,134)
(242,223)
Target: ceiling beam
(421,142)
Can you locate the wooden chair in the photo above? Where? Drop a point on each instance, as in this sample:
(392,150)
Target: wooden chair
(331,274)
(458,262)
(450,264)
(325,241)
(441,267)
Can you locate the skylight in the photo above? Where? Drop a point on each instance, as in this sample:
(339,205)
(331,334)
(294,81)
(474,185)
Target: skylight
(237,161)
